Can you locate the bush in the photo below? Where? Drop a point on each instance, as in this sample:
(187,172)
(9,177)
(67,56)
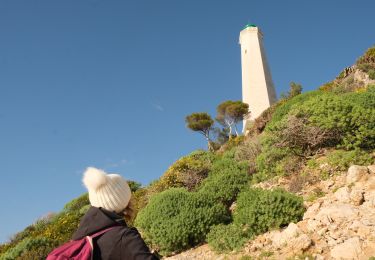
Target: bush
(134,186)
(226,179)
(187,171)
(329,86)
(343,159)
(225,238)
(352,115)
(261,210)
(62,227)
(301,138)
(27,245)
(177,219)
(193,168)
(267,160)
(257,126)
(286,106)
(233,142)
(289,165)
(77,203)
(322,120)
(368,57)
(371,74)
(248,151)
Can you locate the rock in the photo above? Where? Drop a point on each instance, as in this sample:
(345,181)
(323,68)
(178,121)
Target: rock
(350,249)
(281,238)
(364,231)
(318,257)
(312,210)
(291,231)
(336,213)
(370,183)
(301,243)
(343,195)
(328,184)
(356,197)
(369,198)
(313,225)
(371,169)
(322,231)
(356,173)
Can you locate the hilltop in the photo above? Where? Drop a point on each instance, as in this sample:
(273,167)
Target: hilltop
(286,180)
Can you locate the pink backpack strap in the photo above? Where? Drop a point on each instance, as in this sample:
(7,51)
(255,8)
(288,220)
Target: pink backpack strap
(101,232)
(90,238)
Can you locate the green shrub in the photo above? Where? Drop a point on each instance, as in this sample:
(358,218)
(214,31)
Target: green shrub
(134,186)
(225,238)
(289,165)
(368,57)
(226,179)
(84,209)
(188,171)
(177,219)
(248,151)
(343,159)
(77,203)
(303,139)
(283,109)
(62,226)
(329,86)
(315,194)
(267,160)
(352,115)
(261,210)
(233,141)
(28,244)
(371,74)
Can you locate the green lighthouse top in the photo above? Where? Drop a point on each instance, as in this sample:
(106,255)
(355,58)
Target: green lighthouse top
(249,25)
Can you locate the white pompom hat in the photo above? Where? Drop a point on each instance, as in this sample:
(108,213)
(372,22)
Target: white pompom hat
(109,191)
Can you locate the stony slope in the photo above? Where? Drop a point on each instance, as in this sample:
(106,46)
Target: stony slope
(338,225)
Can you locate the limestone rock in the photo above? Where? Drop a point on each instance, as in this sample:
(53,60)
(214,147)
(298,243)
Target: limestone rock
(301,243)
(312,210)
(356,173)
(370,183)
(371,169)
(343,195)
(319,257)
(281,238)
(356,197)
(336,213)
(350,249)
(328,184)
(313,225)
(369,198)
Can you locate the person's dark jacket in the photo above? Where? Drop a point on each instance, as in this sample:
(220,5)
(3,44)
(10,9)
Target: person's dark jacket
(121,242)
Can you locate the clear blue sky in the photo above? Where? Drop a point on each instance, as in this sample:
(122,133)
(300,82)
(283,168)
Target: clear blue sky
(108,83)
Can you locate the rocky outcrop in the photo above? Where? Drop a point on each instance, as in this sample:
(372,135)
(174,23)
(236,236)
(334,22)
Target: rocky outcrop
(340,225)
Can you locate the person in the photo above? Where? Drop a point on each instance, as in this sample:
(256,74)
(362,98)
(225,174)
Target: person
(110,197)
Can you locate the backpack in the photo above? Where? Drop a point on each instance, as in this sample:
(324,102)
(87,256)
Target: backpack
(76,249)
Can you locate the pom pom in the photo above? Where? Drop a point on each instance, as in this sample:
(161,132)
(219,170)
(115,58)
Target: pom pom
(94,178)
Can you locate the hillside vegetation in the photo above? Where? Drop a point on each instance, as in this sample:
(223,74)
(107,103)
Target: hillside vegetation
(213,196)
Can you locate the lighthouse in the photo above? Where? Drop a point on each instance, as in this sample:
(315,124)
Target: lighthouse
(257,86)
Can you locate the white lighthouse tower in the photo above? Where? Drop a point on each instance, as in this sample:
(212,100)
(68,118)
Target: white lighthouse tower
(257,85)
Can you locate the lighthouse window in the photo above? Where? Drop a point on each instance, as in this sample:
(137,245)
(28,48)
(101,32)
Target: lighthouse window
(245,51)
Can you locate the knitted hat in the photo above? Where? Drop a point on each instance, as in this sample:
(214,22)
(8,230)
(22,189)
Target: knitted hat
(109,191)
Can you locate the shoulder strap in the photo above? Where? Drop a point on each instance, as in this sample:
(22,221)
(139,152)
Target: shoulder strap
(101,232)
(90,238)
